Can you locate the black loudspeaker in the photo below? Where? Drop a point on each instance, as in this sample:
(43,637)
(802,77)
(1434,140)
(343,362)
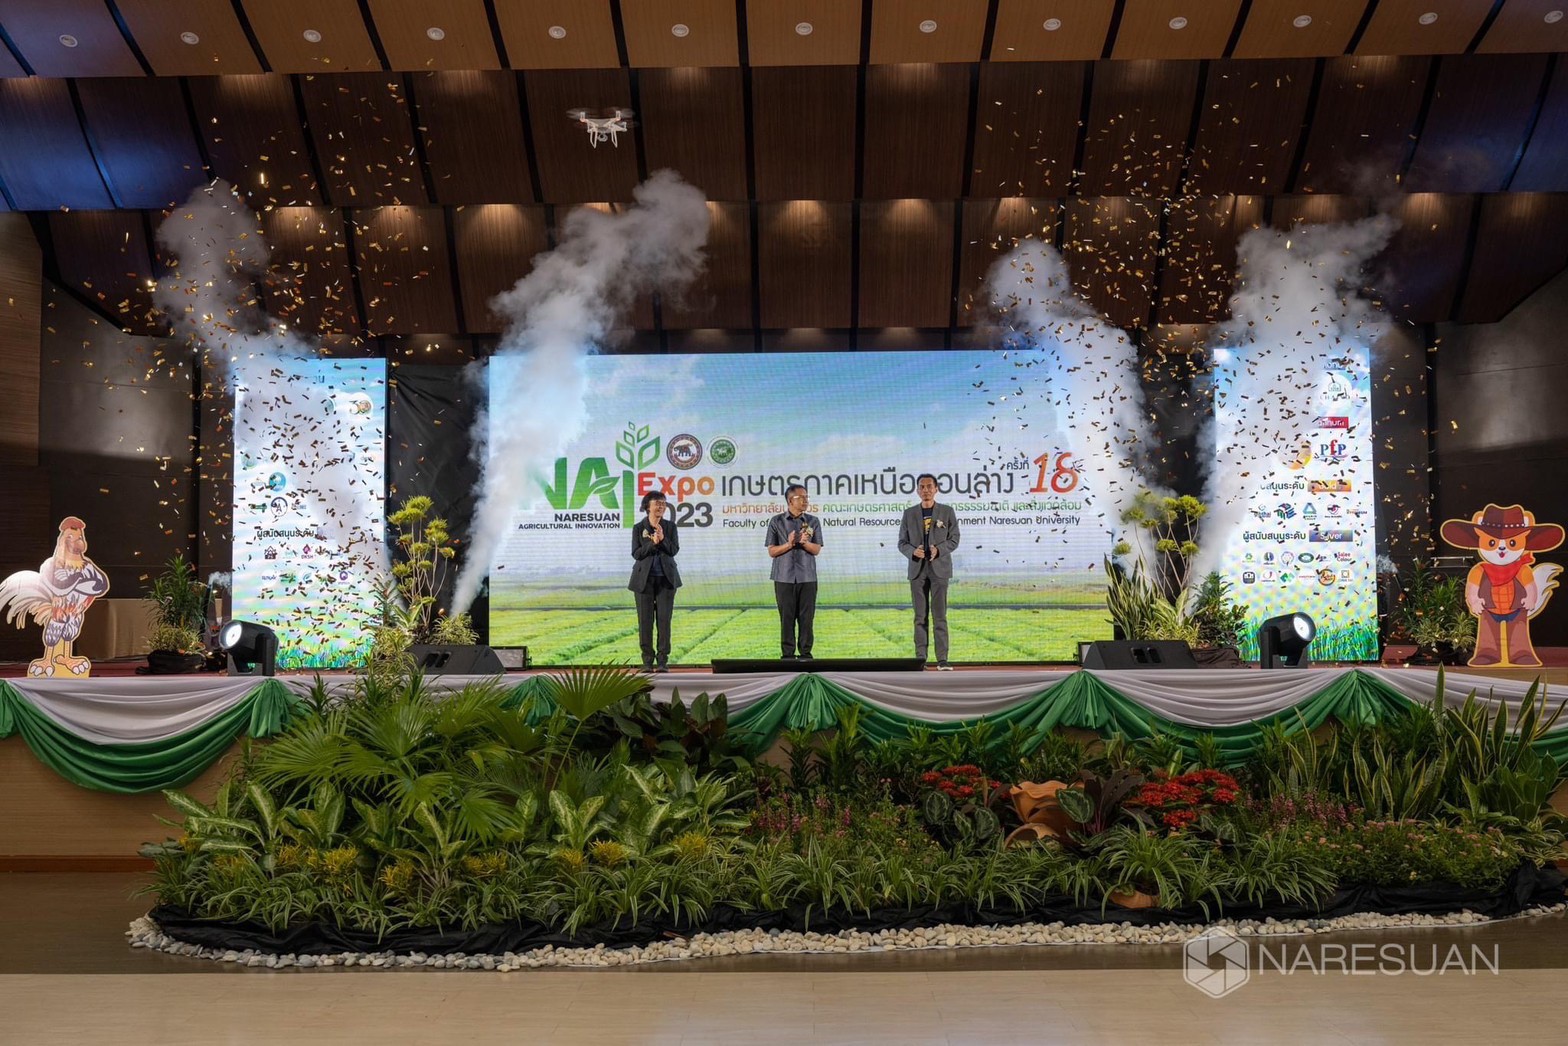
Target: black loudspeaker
(456,660)
(1132,653)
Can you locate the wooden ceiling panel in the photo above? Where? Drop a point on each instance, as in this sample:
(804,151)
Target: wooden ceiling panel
(251,126)
(790,153)
(1286,211)
(46,163)
(1366,110)
(833,36)
(463,116)
(906,263)
(163,30)
(1521,242)
(804,259)
(416,34)
(1544,166)
(342,41)
(311,281)
(1200,255)
(909,104)
(1271,30)
(1527,26)
(496,244)
(927,30)
(1112,246)
(1051,30)
(1477,122)
(1254,112)
(1417,275)
(558,34)
(1139,117)
(1409,26)
(363,132)
(68,38)
(143,138)
(405,280)
(675,102)
(571,170)
(9,66)
(721,296)
(992,228)
(1175,28)
(1026,128)
(654,36)
(104,255)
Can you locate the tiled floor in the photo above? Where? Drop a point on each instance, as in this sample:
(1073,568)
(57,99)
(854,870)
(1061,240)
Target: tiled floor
(66,976)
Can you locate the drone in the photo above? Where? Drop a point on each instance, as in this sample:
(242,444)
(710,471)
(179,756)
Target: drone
(602,128)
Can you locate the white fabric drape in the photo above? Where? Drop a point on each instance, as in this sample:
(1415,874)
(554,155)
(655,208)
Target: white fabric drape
(124,711)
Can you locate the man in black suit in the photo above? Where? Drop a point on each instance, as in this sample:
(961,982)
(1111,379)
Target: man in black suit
(655,577)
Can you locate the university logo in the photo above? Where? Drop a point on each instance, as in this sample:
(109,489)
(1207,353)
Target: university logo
(684,451)
(721,450)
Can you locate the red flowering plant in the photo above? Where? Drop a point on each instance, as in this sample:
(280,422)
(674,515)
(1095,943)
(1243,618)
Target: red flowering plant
(959,806)
(1178,802)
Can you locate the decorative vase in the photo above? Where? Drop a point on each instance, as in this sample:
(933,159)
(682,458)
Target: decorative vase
(1033,832)
(174,663)
(1135,899)
(1037,804)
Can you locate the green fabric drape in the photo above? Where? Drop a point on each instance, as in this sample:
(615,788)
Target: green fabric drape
(147,766)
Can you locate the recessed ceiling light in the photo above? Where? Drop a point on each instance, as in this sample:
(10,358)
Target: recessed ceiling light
(435,32)
(1178,22)
(190,38)
(312,36)
(803,28)
(1428,18)
(1301,21)
(557,32)
(1052,24)
(67,40)
(680,29)
(928,26)
(1553,17)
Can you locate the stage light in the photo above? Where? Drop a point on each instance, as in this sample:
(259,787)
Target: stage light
(1283,641)
(252,648)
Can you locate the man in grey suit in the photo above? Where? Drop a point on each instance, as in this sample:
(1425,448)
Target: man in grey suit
(655,543)
(927,537)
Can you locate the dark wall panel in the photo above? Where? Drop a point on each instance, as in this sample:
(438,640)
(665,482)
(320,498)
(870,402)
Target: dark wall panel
(793,154)
(1026,128)
(1111,246)
(496,245)
(1366,111)
(570,169)
(405,280)
(45,162)
(144,138)
(1521,243)
(1544,165)
(104,255)
(804,255)
(694,122)
(1254,113)
(1139,117)
(906,264)
(312,283)
(916,118)
(1418,273)
(1477,122)
(471,125)
(251,125)
(1200,256)
(722,295)
(991,229)
(363,132)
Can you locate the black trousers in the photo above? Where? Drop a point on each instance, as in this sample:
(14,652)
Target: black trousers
(655,601)
(797,605)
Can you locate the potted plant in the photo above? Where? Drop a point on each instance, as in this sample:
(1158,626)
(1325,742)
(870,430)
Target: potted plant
(409,617)
(1432,614)
(176,645)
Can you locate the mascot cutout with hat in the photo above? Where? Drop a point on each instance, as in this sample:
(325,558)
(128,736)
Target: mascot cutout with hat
(1507,588)
(57,597)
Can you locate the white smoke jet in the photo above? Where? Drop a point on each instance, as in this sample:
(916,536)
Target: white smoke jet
(1091,376)
(555,316)
(211,299)
(1295,313)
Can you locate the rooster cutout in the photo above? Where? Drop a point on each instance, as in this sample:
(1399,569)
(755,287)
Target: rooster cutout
(1507,588)
(57,597)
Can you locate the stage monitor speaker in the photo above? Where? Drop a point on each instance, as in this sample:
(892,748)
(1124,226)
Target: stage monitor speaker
(1132,653)
(513,658)
(818,664)
(456,660)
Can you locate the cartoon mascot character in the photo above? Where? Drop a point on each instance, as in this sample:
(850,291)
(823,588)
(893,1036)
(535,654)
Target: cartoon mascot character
(57,597)
(1503,590)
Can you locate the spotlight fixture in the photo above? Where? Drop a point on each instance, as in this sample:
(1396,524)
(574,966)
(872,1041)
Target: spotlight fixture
(190,38)
(1178,22)
(1428,18)
(928,26)
(1552,17)
(312,36)
(680,30)
(67,40)
(803,28)
(1301,21)
(1051,25)
(436,33)
(1283,641)
(557,32)
(251,647)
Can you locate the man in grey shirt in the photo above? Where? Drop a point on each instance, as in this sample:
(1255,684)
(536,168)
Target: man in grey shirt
(794,539)
(927,536)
